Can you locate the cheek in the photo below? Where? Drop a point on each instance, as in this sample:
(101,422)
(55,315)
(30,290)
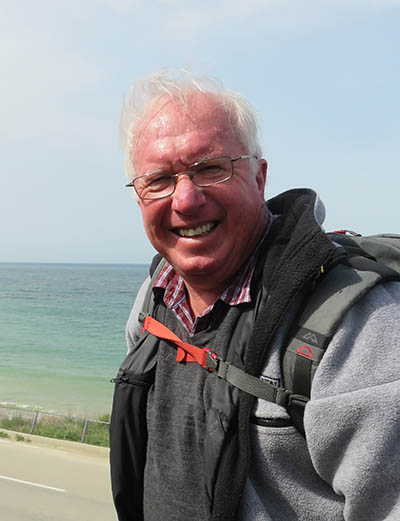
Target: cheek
(152,215)
(247,200)
(149,212)
(150,225)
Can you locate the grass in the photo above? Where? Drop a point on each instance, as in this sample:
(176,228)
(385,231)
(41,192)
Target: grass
(60,427)
(18,437)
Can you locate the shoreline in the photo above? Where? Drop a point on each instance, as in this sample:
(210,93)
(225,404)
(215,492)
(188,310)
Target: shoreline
(77,413)
(70,395)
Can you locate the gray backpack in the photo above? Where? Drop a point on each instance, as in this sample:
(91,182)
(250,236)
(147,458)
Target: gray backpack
(360,264)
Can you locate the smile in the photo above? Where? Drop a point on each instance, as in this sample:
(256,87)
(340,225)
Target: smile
(195,232)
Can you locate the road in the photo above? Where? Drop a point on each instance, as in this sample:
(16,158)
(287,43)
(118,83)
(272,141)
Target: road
(40,483)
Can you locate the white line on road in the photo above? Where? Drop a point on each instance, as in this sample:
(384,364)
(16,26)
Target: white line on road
(32,484)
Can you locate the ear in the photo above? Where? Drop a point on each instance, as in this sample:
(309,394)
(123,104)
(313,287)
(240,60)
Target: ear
(261,176)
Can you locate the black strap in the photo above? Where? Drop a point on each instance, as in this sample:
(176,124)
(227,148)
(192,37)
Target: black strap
(148,302)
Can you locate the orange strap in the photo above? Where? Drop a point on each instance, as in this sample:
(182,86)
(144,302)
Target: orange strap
(186,352)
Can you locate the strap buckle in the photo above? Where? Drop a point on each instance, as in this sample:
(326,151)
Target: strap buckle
(282,396)
(212,361)
(287,399)
(298,400)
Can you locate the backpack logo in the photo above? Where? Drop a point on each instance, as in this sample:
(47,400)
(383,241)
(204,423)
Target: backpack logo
(311,337)
(305,351)
(275,382)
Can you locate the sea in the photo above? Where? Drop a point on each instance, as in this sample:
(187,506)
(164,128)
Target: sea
(62,334)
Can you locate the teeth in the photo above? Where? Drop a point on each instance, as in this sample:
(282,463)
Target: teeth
(193,232)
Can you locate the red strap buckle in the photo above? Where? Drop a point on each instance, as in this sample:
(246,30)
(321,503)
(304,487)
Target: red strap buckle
(212,360)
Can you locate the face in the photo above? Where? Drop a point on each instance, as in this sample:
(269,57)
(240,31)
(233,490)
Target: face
(206,233)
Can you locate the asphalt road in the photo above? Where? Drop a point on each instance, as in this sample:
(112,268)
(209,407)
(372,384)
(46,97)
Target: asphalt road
(39,483)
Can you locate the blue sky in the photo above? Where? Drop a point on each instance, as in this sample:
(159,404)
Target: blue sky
(324,77)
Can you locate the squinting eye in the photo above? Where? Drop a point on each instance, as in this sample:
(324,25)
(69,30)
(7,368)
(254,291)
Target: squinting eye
(158,179)
(210,167)
(213,165)
(210,170)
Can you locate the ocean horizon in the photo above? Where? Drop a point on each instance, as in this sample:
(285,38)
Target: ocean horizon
(62,333)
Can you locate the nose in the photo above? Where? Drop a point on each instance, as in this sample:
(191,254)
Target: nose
(188,197)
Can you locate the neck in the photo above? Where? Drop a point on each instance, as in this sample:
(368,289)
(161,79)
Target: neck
(201,298)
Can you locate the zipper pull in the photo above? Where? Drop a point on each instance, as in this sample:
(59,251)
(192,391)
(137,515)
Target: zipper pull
(119,379)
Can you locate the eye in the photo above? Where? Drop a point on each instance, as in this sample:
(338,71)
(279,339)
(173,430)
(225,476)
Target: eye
(212,169)
(153,183)
(157,179)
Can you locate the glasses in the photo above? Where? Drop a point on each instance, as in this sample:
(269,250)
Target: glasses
(208,172)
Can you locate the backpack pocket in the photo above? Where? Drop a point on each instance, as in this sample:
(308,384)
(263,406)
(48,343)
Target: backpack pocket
(128,442)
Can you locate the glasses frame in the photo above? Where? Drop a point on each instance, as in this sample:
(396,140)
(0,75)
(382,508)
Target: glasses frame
(190,175)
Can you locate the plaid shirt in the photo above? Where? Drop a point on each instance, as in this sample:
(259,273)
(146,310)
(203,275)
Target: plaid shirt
(238,291)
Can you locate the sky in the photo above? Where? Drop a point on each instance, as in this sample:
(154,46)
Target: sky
(323,76)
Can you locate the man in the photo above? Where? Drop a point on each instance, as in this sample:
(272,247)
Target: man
(186,444)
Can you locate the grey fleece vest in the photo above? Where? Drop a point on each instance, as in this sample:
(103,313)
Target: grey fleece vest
(187,420)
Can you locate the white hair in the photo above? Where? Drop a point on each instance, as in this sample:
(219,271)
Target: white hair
(178,84)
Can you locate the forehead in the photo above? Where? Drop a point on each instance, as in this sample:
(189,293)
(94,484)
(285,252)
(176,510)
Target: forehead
(169,128)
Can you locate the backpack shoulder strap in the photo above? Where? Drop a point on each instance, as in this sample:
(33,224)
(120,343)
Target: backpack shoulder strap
(336,292)
(157,265)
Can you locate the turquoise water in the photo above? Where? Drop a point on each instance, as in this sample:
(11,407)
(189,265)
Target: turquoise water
(62,333)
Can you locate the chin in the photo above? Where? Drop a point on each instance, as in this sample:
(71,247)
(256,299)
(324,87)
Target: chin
(197,267)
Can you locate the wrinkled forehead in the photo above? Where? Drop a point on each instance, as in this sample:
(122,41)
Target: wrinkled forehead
(168,118)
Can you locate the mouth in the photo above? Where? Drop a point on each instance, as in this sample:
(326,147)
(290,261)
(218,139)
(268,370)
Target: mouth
(199,231)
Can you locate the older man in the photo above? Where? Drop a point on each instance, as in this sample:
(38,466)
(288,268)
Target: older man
(189,443)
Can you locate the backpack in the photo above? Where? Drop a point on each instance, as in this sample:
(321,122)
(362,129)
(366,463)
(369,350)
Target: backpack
(360,264)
